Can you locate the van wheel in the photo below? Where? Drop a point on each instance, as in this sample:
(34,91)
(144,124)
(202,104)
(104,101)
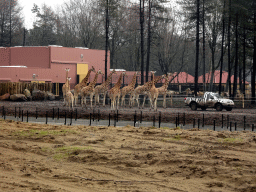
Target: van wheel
(193,106)
(229,108)
(203,108)
(219,107)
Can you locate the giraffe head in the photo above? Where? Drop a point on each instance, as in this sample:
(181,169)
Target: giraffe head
(67,69)
(169,74)
(69,78)
(93,69)
(113,71)
(124,74)
(100,72)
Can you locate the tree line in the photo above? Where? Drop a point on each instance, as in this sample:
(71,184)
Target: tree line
(196,36)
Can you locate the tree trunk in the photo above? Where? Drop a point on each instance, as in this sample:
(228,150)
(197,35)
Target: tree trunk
(204,85)
(222,42)
(197,47)
(236,60)
(254,56)
(149,39)
(142,39)
(229,56)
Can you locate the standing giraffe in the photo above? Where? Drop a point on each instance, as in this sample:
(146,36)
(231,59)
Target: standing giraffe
(163,90)
(153,94)
(143,90)
(89,90)
(103,89)
(69,96)
(83,83)
(128,90)
(115,93)
(65,86)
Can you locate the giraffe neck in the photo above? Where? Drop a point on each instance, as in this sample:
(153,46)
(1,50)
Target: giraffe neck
(118,84)
(107,82)
(166,83)
(66,76)
(92,84)
(153,84)
(68,84)
(132,84)
(85,80)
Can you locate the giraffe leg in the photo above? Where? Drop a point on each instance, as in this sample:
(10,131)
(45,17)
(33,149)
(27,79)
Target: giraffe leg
(104,99)
(91,97)
(144,99)
(123,100)
(118,99)
(95,100)
(164,102)
(138,101)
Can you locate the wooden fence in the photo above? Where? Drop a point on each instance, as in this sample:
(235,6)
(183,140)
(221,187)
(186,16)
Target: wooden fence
(18,87)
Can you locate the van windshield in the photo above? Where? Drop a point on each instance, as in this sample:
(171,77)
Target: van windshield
(217,95)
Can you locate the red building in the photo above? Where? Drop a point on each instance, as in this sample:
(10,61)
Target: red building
(49,64)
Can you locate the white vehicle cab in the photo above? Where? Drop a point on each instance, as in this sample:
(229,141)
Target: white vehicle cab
(209,100)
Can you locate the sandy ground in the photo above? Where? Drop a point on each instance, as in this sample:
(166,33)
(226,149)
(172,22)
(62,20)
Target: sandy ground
(47,158)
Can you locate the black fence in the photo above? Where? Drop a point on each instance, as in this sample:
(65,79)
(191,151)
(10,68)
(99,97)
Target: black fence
(180,119)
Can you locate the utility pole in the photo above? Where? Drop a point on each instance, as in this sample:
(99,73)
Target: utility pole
(142,39)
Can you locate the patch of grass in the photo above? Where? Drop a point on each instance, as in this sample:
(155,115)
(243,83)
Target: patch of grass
(60,156)
(175,138)
(70,149)
(231,140)
(35,132)
(64,152)
(164,127)
(46,149)
(175,128)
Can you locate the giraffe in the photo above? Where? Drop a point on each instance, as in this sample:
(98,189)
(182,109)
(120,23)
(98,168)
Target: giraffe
(153,94)
(103,89)
(65,86)
(89,90)
(115,93)
(128,89)
(69,96)
(163,90)
(83,83)
(142,90)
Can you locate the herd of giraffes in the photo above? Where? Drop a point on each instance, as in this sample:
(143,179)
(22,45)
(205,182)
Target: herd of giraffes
(83,89)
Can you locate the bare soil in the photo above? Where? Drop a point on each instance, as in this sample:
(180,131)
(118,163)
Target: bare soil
(47,158)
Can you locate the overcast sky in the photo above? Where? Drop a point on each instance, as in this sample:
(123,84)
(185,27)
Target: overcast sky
(28,5)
